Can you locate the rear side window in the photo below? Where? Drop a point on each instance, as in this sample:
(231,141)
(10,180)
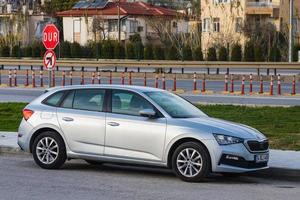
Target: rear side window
(89,99)
(54,99)
(68,101)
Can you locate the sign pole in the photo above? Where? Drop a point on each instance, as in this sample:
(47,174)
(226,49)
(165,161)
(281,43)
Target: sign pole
(50,77)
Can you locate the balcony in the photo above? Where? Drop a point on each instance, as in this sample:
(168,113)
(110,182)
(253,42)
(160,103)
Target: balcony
(263,8)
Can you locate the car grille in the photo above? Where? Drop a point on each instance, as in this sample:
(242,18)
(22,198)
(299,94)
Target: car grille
(258,146)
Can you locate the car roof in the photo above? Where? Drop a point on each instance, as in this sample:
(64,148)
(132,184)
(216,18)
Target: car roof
(106,86)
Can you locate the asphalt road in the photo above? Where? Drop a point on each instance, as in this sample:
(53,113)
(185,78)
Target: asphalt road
(22,179)
(27,95)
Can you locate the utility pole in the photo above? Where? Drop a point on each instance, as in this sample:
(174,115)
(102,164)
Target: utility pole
(119,25)
(291,32)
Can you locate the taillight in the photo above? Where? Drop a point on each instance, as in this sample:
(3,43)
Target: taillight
(27,114)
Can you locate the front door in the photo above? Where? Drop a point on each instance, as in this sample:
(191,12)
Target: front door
(129,135)
(82,120)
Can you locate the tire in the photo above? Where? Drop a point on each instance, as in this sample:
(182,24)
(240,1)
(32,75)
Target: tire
(52,155)
(93,162)
(186,169)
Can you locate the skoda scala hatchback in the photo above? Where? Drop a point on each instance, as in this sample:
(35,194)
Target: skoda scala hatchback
(136,125)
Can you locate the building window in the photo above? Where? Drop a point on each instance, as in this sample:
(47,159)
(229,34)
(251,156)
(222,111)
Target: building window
(221,1)
(174,25)
(216,24)
(199,27)
(206,25)
(76,30)
(238,24)
(113,25)
(133,26)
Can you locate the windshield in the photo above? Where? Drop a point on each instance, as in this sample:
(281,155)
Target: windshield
(174,105)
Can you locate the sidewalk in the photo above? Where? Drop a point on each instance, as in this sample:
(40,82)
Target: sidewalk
(282,163)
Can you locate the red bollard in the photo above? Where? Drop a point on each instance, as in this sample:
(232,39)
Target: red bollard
(294,86)
(15,78)
(110,78)
(130,78)
(9,79)
(82,78)
(156,81)
(231,84)
(71,77)
(53,78)
(63,81)
(27,78)
(279,85)
(243,86)
(33,78)
(195,81)
(164,81)
(226,83)
(41,79)
(123,79)
(251,84)
(145,79)
(271,85)
(261,85)
(99,77)
(93,78)
(174,83)
(203,84)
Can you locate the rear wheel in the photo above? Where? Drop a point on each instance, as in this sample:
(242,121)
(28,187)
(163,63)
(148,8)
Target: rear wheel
(191,162)
(49,150)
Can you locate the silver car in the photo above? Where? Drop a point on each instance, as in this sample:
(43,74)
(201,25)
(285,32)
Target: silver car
(136,125)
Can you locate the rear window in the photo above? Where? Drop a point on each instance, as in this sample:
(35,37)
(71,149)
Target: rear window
(54,99)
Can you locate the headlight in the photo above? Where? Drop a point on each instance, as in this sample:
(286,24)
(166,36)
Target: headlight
(226,139)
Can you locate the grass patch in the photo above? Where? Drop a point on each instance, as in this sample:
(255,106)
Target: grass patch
(281,125)
(10,116)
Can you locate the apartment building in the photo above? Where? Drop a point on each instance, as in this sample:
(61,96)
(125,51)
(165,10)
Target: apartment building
(225,22)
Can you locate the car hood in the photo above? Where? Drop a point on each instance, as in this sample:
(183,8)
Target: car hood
(214,125)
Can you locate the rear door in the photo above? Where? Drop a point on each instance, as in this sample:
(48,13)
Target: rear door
(82,119)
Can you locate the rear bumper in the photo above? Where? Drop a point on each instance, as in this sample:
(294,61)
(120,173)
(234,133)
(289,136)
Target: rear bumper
(24,135)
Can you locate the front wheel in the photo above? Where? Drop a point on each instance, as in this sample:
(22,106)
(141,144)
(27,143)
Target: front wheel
(49,150)
(191,162)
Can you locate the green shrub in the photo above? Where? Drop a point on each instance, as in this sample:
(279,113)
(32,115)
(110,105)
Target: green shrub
(36,50)
(258,54)
(212,54)
(65,49)
(75,50)
(87,51)
(119,52)
(275,54)
(223,54)
(236,53)
(27,51)
(16,51)
(158,53)
(295,53)
(249,52)
(148,52)
(5,51)
(135,38)
(107,49)
(172,53)
(187,53)
(198,55)
(139,50)
(129,51)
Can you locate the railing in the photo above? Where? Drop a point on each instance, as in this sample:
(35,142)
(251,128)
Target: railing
(263,4)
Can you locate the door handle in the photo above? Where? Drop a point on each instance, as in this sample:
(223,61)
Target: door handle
(113,123)
(68,119)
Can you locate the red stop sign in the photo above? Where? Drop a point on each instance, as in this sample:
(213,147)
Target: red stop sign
(50,36)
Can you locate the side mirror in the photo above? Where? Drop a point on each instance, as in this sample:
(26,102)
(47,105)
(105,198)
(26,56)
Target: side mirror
(150,113)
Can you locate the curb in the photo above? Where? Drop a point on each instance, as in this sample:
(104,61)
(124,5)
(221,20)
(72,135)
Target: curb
(10,150)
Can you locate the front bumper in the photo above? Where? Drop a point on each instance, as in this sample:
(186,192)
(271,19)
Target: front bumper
(234,158)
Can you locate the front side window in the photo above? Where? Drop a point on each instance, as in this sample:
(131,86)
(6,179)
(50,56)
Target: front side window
(128,103)
(174,105)
(89,99)
(54,99)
